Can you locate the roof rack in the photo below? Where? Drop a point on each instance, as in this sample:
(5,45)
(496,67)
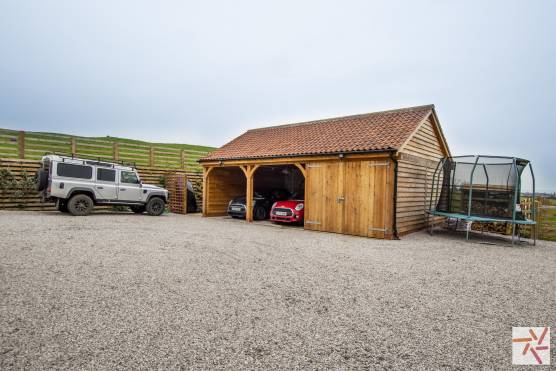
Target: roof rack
(94,160)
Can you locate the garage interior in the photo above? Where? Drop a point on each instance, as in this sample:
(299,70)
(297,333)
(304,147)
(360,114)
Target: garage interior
(227,182)
(287,177)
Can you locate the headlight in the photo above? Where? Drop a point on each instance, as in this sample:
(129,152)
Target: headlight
(299,207)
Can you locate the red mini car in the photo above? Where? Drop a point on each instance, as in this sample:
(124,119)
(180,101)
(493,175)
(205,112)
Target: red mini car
(290,211)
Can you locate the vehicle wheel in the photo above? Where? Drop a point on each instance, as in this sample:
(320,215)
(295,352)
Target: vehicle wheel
(259,213)
(155,206)
(62,206)
(137,209)
(80,205)
(41,180)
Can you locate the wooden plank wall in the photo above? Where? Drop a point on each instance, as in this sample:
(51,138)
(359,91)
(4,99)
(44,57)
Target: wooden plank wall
(32,201)
(224,183)
(416,165)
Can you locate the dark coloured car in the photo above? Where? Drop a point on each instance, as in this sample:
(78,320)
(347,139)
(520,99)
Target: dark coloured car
(191,201)
(261,204)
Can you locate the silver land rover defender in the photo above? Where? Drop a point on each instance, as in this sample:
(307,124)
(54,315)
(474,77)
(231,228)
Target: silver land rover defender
(77,185)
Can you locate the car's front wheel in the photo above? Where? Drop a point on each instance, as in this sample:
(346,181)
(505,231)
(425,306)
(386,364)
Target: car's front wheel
(155,206)
(80,205)
(138,209)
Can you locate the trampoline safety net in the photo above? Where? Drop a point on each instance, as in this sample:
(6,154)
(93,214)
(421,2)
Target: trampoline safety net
(489,185)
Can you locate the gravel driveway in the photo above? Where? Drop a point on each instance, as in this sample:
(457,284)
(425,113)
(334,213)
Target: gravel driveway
(133,291)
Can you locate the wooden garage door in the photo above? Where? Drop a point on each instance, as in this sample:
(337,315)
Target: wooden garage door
(323,189)
(366,191)
(351,197)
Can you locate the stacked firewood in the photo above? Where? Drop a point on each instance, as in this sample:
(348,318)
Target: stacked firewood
(495,227)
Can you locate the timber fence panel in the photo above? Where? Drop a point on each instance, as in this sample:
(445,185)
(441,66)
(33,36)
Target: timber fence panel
(22,168)
(33,145)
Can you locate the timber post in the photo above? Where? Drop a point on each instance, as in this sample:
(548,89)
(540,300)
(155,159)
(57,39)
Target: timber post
(116,151)
(21,144)
(206,180)
(73,146)
(249,195)
(182,158)
(184,203)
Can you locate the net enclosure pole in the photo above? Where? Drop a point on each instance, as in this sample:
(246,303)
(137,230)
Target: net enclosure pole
(470,195)
(433,188)
(434,191)
(438,179)
(486,193)
(534,207)
(518,179)
(452,187)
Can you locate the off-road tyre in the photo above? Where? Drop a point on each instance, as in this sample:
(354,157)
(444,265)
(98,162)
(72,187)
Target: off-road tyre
(259,213)
(62,206)
(80,205)
(41,180)
(155,206)
(138,209)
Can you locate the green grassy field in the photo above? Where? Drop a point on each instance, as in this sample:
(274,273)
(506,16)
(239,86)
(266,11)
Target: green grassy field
(549,220)
(194,147)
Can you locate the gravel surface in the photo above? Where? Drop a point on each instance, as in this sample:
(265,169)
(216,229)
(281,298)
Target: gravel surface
(133,291)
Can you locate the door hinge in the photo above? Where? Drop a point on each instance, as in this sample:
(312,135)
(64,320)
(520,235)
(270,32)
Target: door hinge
(312,222)
(380,164)
(371,229)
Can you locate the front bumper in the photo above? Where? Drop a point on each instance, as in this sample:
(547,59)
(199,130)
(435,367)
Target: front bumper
(236,211)
(285,219)
(290,217)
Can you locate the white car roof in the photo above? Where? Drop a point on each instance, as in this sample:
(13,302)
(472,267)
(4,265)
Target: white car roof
(87,161)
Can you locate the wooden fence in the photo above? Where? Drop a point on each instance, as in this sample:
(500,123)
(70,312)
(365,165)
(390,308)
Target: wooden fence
(21,169)
(32,146)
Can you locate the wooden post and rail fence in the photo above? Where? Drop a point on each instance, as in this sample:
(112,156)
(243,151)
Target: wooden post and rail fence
(21,151)
(32,146)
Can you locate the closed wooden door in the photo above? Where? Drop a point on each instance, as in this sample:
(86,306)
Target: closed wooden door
(323,197)
(367,201)
(351,197)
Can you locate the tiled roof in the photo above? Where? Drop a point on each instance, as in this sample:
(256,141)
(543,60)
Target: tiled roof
(370,132)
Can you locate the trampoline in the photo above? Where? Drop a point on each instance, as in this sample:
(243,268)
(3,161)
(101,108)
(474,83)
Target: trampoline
(481,189)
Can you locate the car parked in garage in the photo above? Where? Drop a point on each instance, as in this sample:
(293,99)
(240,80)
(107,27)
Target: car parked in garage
(262,204)
(290,211)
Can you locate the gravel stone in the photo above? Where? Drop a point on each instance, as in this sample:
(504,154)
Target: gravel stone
(126,291)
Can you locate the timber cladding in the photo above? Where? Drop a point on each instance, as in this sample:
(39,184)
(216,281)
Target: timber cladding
(417,162)
(14,200)
(223,185)
(366,175)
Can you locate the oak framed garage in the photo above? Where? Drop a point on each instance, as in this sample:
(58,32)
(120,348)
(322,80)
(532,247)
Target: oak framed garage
(367,175)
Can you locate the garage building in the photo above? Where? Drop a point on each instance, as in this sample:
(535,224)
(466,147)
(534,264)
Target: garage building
(367,175)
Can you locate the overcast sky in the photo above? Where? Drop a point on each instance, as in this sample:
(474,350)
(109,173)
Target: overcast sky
(203,72)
